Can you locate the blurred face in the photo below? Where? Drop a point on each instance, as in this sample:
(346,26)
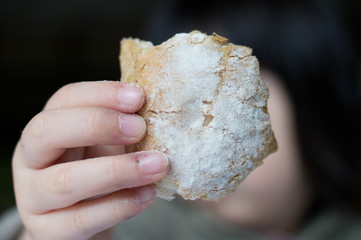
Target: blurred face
(275,195)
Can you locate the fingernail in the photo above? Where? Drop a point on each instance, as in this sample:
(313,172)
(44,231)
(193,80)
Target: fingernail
(131,125)
(145,194)
(152,163)
(129,95)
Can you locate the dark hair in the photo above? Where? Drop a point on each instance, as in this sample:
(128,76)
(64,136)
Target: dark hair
(305,43)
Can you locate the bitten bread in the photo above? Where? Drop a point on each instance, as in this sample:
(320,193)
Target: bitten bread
(206,109)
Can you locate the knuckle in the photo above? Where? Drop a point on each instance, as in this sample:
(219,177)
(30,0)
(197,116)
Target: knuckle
(93,122)
(35,130)
(100,125)
(62,92)
(122,211)
(122,173)
(61,182)
(66,88)
(114,171)
(81,220)
(37,126)
(58,184)
(60,96)
(114,208)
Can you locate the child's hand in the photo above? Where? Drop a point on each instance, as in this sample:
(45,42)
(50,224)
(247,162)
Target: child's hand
(72,179)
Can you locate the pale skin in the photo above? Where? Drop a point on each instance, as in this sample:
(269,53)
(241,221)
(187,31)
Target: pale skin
(72,177)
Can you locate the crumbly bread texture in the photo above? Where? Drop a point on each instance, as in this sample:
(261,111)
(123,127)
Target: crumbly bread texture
(206,109)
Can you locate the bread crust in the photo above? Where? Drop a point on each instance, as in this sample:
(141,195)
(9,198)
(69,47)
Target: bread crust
(206,109)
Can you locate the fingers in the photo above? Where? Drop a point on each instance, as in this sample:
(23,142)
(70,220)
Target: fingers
(88,196)
(54,188)
(106,94)
(50,133)
(85,219)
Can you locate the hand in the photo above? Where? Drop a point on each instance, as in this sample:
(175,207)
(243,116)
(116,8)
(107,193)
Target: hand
(72,177)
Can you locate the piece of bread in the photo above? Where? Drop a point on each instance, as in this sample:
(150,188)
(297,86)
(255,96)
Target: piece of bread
(206,109)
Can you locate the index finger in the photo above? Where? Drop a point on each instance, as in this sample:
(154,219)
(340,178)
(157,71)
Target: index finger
(107,94)
(50,133)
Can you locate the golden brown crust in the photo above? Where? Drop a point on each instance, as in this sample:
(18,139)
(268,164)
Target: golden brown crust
(206,109)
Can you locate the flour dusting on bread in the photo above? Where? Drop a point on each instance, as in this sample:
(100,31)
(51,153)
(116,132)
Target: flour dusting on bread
(206,109)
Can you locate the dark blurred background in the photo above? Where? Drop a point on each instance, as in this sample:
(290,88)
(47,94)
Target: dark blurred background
(47,44)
